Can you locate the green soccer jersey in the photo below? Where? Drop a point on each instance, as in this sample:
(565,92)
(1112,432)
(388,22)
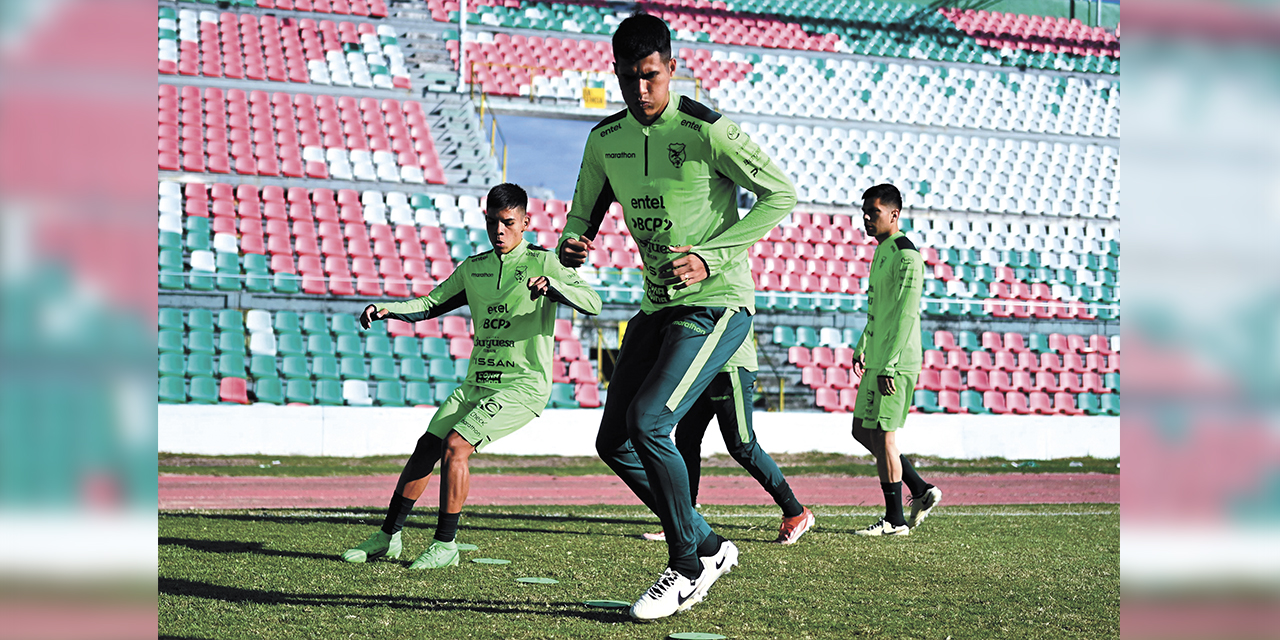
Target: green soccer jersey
(514,335)
(676,180)
(744,358)
(891,341)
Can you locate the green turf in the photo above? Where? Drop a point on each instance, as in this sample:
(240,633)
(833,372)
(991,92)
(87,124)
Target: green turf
(1045,571)
(829,464)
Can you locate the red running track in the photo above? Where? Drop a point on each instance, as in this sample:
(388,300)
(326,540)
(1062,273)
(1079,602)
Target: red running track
(258,492)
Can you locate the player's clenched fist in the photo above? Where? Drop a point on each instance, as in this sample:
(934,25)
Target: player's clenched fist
(538,287)
(370,314)
(860,365)
(573,253)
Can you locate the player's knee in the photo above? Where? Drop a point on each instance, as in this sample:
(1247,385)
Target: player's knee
(644,425)
(457,449)
(743,451)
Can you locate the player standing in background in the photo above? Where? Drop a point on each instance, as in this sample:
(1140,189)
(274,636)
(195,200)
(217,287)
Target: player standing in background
(674,165)
(888,360)
(512,291)
(728,400)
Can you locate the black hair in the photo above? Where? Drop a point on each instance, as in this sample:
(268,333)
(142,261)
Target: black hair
(885,193)
(640,36)
(506,196)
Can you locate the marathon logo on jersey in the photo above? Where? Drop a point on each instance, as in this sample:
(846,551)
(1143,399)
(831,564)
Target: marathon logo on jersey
(690,326)
(482,275)
(692,125)
(493,342)
(656,293)
(488,377)
(621,155)
(675,153)
(614,129)
(648,202)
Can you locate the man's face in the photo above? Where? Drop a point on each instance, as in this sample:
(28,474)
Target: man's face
(878,218)
(644,84)
(506,228)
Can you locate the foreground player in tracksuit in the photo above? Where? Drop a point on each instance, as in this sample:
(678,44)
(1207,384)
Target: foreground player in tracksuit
(674,165)
(513,292)
(888,358)
(728,400)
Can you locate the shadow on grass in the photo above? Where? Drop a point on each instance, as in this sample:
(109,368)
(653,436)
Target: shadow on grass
(191,588)
(237,546)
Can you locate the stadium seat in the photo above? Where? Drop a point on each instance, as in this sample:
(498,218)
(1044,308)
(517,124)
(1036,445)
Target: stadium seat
(1017,403)
(173,389)
(233,390)
(419,394)
(994,402)
(325,368)
(972,402)
(268,390)
(1110,403)
(1065,404)
(390,394)
(203,390)
(588,395)
(927,401)
(1040,402)
(950,401)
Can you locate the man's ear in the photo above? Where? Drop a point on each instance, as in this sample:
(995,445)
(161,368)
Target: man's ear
(671,64)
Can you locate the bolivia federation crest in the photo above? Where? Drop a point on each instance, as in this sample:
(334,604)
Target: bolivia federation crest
(675,153)
(520,273)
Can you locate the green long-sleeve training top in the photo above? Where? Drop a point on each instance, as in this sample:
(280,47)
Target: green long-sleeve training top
(514,336)
(675,180)
(891,340)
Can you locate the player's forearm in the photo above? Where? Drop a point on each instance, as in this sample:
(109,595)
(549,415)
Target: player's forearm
(580,297)
(408,311)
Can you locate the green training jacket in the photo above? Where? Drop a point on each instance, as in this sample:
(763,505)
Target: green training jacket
(891,340)
(514,335)
(675,180)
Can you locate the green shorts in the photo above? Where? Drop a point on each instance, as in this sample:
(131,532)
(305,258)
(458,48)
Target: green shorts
(481,415)
(884,412)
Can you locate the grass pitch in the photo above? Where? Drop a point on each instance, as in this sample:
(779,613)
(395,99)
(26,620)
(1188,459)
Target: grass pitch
(1045,571)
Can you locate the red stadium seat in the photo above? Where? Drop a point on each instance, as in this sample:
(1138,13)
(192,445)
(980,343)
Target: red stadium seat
(588,395)
(1113,364)
(1021,381)
(828,399)
(1070,382)
(993,401)
(949,379)
(1050,362)
(950,402)
(1005,360)
(1058,343)
(848,399)
(1073,362)
(1046,382)
(428,328)
(935,359)
(958,359)
(991,341)
(233,390)
(999,381)
(1040,402)
(455,327)
(1065,404)
(978,381)
(838,378)
(981,360)
(944,340)
(798,356)
(1016,403)
(460,348)
(930,380)
(823,357)
(1099,344)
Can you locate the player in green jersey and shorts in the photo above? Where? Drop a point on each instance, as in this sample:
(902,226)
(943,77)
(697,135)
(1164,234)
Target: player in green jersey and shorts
(887,359)
(513,292)
(675,166)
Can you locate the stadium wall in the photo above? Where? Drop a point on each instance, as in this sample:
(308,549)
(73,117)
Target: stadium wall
(367,431)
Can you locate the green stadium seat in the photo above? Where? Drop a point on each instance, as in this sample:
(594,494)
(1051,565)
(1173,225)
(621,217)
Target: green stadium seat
(268,390)
(460,367)
(971,401)
(383,368)
(172,319)
(200,320)
(290,344)
(927,401)
(785,336)
(300,391)
(325,368)
(172,364)
(232,342)
(171,241)
(926,341)
(1112,380)
(443,390)
(1039,343)
(389,394)
(197,241)
(286,322)
(350,345)
(170,341)
(329,392)
(204,390)
(807,337)
(200,342)
(314,322)
(255,263)
(353,368)
(344,323)
(406,347)
(413,368)
(828,303)
(319,344)
(199,364)
(1111,403)
(1089,403)
(230,320)
(295,368)
(850,304)
(286,283)
(258,283)
(419,393)
(378,346)
(803,303)
(228,276)
(563,397)
(263,367)
(231,365)
(968,341)
(442,369)
(173,389)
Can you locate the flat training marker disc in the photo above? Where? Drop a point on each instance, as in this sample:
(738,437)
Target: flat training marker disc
(538,580)
(607,604)
(490,561)
(462,546)
(695,635)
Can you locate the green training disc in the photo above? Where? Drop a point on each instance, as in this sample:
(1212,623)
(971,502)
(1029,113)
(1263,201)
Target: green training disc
(490,561)
(607,604)
(695,635)
(538,580)
(462,546)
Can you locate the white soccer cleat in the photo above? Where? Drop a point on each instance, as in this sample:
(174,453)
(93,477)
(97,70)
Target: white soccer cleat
(921,508)
(671,593)
(660,536)
(713,567)
(883,528)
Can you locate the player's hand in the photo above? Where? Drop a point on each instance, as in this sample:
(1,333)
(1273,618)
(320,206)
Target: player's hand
(370,314)
(685,270)
(886,385)
(573,253)
(860,365)
(538,287)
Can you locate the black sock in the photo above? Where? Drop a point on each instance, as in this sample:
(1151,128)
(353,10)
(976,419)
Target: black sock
(709,545)
(893,503)
(690,568)
(397,511)
(912,479)
(447,526)
(790,506)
